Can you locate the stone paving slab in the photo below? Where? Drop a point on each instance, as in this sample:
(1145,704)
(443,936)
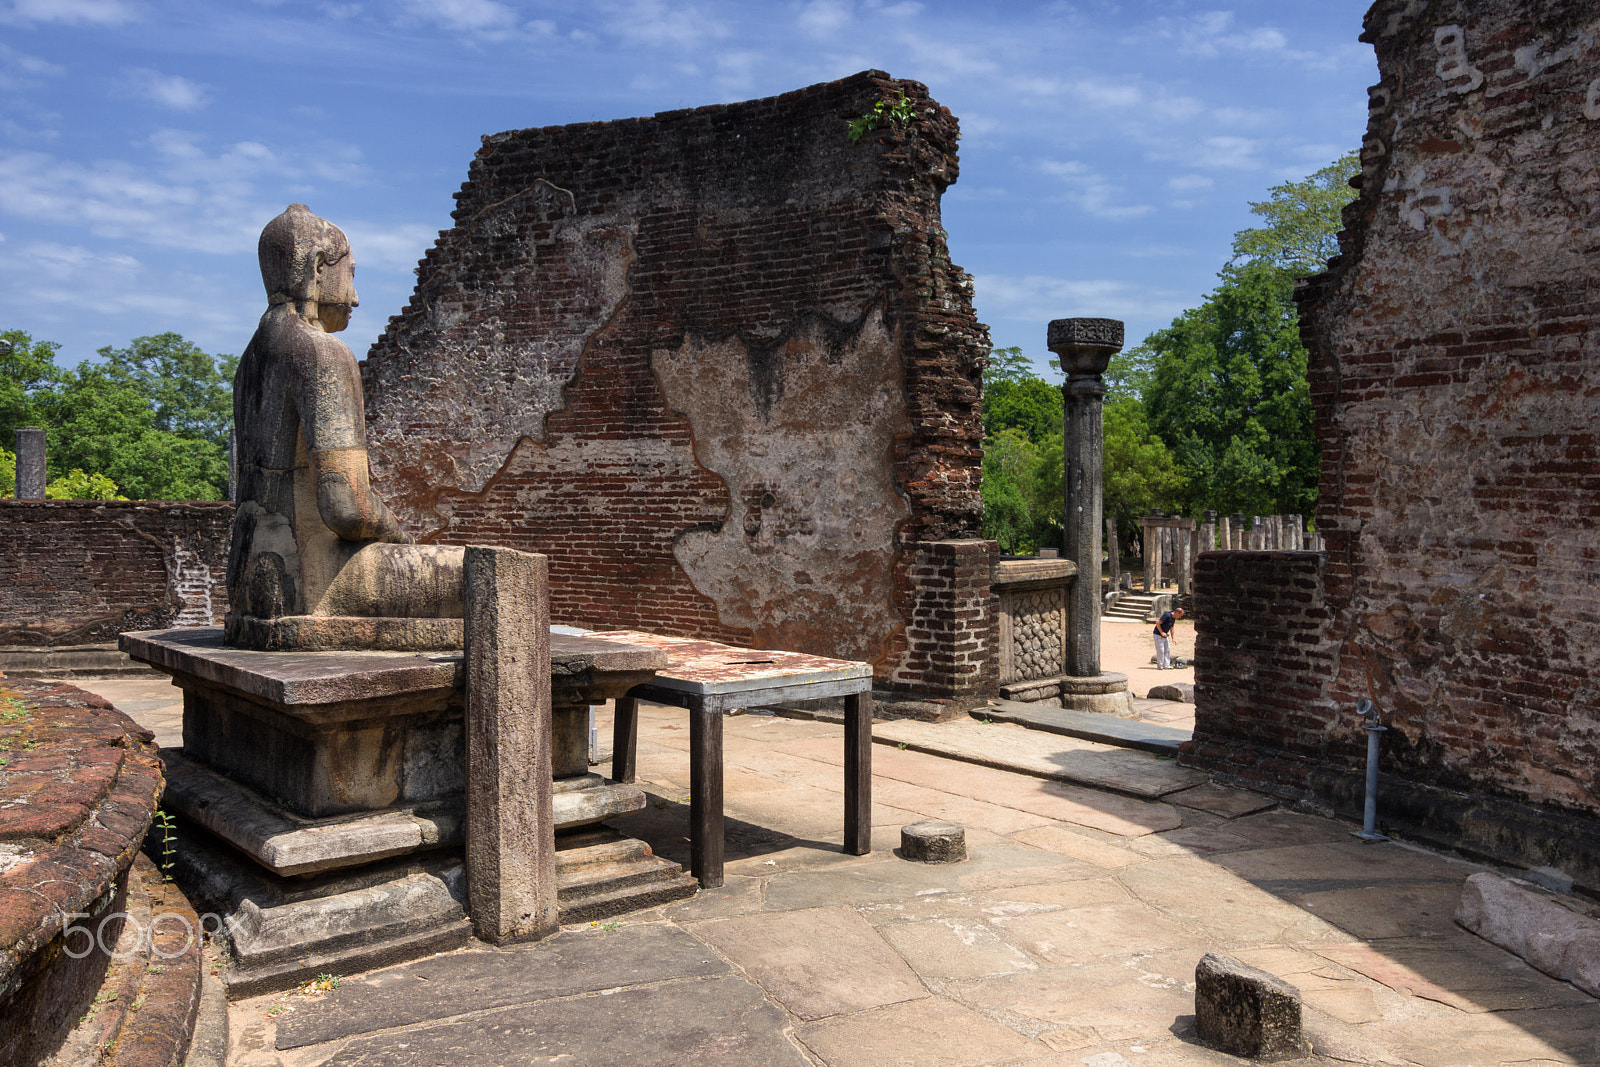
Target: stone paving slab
(927,1033)
(1044,755)
(779,951)
(1107,729)
(431,989)
(1465,973)
(713,1021)
(1053,800)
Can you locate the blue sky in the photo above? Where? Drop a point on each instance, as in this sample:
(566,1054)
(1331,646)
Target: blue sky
(1109,150)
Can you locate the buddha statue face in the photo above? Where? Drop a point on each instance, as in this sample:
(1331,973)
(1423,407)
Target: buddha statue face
(306,261)
(334,291)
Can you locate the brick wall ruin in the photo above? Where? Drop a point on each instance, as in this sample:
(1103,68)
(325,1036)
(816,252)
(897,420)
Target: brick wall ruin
(78,572)
(1455,365)
(717,365)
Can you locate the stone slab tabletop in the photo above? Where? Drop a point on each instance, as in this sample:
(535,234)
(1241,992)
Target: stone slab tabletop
(332,677)
(707,668)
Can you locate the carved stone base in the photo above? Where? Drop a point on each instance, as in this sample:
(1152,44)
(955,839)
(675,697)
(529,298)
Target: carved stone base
(336,633)
(286,843)
(1105,694)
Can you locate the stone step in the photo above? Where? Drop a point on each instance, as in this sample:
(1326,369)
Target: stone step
(603,873)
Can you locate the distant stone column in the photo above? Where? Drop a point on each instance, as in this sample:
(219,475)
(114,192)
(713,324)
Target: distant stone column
(1208,533)
(511,852)
(1113,553)
(1180,542)
(1084,347)
(1239,532)
(30,464)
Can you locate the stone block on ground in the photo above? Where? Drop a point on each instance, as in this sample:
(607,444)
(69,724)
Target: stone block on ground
(1182,691)
(1246,1011)
(1521,920)
(933,841)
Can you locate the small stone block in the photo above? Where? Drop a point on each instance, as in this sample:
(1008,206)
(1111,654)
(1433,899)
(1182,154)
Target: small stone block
(1245,1011)
(933,841)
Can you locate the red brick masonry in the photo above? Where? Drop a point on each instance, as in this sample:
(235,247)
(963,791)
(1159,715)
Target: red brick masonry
(79,783)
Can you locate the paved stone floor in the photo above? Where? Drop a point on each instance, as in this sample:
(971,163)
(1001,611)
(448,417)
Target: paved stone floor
(1069,937)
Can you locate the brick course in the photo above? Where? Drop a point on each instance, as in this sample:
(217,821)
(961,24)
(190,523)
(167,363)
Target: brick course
(1455,362)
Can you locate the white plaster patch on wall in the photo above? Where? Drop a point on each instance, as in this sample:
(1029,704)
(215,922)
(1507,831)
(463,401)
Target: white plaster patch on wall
(190,580)
(1533,60)
(805,444)
(1453,65)
(1422,201)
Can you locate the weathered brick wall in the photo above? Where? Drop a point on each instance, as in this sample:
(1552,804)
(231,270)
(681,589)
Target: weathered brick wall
(716,364)
(76,572)
(1455,365)
(1265,659)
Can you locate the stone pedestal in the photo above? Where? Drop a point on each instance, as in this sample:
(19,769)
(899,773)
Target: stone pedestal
(321,798)
(1031,597)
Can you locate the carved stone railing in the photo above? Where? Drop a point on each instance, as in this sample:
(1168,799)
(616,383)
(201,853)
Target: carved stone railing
(1031,608)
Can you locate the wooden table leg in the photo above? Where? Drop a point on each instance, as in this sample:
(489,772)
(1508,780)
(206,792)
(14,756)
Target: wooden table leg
(705,794)
(858,774)
(625,740)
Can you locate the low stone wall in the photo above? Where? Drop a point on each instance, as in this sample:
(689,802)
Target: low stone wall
(79,783)
(79,572)
(1271,714)
(1030,598)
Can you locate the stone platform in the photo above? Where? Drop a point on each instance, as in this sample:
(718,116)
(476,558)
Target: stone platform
(321,796)
(99,959)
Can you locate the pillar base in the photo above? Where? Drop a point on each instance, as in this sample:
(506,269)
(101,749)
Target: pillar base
(1105,694)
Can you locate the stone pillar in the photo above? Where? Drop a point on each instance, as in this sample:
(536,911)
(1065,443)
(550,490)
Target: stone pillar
(1113,553)
(1084,347)
(1208,533)
(1224,534)
(1147,539)
(30,464)
(233,465)
(1181,557)
(511,851)
(1239,532)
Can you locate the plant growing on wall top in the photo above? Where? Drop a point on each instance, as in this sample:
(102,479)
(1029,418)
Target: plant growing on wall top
(898,112)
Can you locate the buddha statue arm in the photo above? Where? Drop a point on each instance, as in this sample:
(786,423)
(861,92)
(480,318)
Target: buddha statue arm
(334,428)
(346,501)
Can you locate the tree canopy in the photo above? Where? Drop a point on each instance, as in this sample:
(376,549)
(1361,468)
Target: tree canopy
(149,421)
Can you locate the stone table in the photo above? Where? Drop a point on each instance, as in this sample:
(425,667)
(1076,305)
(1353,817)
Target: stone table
(710,679)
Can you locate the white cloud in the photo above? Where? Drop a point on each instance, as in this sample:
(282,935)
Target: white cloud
(1093,192)
(659,24)
(1184,183)
(187,195)
(823,18)
(168,90)
(1040,298)
(470,16)
(97,12)
(392,249)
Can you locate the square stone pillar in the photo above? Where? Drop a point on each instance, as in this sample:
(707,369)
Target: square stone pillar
(31,475)
(511,852)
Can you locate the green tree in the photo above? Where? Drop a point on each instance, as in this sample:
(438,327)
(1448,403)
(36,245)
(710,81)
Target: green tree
(1010,468)
(151,418)
(1139,471)
(28,377)
(1227,388)
(1229,398)
(1302,220)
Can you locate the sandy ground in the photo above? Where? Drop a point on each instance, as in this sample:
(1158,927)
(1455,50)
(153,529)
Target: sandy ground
(1129,648)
